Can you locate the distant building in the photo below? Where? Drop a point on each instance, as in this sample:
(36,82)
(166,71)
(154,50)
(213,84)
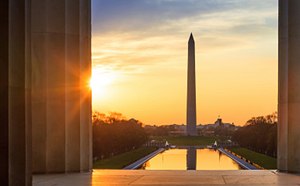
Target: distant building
(200,126)
(150,126)
(179,127)
(183,127)
(218,122)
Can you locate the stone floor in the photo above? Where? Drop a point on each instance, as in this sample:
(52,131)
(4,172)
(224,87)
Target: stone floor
(192,177)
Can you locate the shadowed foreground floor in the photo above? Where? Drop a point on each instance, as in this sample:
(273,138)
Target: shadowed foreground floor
(180,177)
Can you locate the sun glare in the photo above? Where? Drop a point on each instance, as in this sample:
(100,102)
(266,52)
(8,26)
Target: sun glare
(100,80)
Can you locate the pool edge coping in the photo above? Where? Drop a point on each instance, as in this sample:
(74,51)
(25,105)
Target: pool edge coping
(140,162)
(239,161)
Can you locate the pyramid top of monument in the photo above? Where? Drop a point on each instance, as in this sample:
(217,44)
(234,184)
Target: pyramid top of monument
(191,38)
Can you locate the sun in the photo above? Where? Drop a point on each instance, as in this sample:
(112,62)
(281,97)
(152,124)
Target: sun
(100,80)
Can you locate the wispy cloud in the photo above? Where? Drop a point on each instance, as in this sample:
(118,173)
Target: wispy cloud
(137,15)
(135,33)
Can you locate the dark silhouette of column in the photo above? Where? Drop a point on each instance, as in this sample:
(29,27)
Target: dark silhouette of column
(15,104)
(288,158)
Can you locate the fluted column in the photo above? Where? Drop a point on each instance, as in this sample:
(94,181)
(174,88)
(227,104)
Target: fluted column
(86,155)
(61,74)
(289,86)
(15,117)
(72,86)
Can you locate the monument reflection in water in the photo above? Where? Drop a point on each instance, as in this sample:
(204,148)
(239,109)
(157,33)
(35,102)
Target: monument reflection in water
(191,159)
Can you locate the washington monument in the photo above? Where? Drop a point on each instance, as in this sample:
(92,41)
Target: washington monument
(191,90)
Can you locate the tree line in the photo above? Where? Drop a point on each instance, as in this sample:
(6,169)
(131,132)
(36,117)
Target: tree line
(259,134)
(114,134)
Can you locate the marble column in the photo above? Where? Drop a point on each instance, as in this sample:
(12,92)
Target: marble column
(288,159)
(15,117)
(191,120)
(61,96)
(86,153)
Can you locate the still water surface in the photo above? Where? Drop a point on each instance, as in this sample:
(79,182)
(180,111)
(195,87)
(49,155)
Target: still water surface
(191,159)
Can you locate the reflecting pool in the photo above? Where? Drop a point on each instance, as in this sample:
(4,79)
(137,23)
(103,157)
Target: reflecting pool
(191,159)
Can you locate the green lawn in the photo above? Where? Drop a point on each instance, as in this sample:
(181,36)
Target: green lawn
(188,140)
(265,161)
(121,160)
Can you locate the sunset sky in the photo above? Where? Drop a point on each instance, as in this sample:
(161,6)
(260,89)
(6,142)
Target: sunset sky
(139,54)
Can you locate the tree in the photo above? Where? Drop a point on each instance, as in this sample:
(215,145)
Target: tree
(223,131)
(272,141)
(114,134)
(259,134)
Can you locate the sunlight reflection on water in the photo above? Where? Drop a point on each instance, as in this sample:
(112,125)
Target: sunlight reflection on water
(191,159)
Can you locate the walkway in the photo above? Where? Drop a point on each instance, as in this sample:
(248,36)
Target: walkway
(241,162)
(144,159)
(163,178)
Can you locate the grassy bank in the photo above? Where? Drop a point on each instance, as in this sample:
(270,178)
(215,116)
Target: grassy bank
(188,140)
(265,161)
(121,160)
